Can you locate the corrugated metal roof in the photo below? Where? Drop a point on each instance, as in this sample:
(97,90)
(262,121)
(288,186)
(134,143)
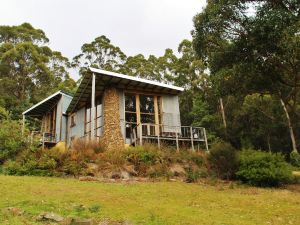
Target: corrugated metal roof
(45,105)
(106,78)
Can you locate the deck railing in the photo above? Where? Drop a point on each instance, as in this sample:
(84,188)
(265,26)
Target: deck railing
(159,132)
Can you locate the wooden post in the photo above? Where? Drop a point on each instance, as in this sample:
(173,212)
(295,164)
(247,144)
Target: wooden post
(158,140)
(156,115)
(93,108)
(141,134)
(205,139)
(177,142)
(192,138)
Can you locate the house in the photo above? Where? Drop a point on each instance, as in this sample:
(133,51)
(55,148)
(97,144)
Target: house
(115,109)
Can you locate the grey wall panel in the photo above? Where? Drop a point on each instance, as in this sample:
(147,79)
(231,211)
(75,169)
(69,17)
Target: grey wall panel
(58,119)
(62,106)
(77,131)
(171,113)
(66,102)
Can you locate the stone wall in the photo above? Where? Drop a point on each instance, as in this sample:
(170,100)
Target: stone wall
(112,137)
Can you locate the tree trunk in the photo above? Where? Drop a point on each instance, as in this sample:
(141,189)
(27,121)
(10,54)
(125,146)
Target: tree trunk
(293,139)
(223,113)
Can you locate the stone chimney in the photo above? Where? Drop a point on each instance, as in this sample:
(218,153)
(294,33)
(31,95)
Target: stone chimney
(112,137)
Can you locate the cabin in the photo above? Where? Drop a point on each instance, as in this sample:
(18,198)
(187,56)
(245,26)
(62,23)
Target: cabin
(116,110)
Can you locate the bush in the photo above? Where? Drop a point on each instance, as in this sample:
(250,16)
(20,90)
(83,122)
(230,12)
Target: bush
(223,160)
(11,139)
(263,168)
(295,159)
(193,175)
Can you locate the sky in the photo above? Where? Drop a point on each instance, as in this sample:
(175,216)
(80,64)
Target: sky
(136,26)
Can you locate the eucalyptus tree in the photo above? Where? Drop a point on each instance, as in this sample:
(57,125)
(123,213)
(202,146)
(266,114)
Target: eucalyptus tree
(253,46)
(100,53)
(29,69)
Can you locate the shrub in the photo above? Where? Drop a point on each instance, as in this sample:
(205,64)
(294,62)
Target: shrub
(263,168)
(223,160)
(11,139)
(193,175)
(295,159)
(147,154)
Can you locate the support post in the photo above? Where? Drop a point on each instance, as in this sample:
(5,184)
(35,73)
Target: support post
(177,142)
(158,140)
(23,125)
(93,108)
(205,139)
(141,134)
(192,138)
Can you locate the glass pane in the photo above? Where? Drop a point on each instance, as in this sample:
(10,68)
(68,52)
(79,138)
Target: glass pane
(99,110)
(88,115)
(130,104)
(146,104)
(146,118)
(87,127)
(130,117)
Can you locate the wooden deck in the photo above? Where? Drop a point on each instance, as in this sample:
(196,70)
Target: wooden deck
(159,133)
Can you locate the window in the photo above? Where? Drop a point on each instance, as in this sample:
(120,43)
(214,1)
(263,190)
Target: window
(87,129)
(142,109)
(73,120)
(147,109)
(98,119)
(130,113)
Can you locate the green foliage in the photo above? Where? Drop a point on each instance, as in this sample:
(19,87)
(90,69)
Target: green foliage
(193,175)
(143,154)
(29,69)
(250,53)
(11,140)
(223,160)
(100,53)
(263,168)
(295,159)
(48,162)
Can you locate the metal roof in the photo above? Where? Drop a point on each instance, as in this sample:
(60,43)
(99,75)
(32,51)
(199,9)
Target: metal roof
(107,78)
(41,108)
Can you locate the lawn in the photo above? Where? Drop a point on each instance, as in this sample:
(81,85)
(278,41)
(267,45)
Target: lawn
(147,203)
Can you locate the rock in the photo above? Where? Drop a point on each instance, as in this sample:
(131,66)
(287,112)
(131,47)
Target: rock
(130,169)
(50,216)
(177,169)
(107,222)
(92,169)
(125,175)
(88,178)
(82,222)
(116,175)
(15,211)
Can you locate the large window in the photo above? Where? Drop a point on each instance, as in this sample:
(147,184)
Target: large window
(98,119)
(141,108)
(130,113)
(147,109)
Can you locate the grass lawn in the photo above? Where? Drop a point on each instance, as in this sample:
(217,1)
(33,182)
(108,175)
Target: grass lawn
(147,203)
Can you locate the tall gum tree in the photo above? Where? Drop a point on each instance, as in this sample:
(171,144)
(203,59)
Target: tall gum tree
(253,46)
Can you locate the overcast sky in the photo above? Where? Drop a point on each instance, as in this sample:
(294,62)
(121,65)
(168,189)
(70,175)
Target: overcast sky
(136,26)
